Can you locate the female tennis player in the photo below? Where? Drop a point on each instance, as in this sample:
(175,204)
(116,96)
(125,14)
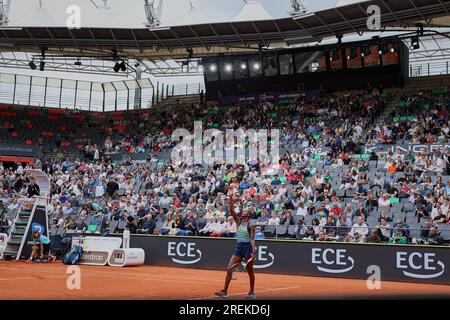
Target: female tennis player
(245,249)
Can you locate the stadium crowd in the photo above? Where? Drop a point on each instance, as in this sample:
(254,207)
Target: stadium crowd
(395,198)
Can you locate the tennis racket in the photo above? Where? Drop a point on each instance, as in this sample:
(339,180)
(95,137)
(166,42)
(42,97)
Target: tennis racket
(238,268)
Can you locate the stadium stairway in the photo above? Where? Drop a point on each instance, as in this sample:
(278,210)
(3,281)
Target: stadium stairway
(17,234)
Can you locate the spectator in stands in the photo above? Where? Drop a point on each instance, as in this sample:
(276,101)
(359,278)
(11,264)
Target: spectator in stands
(433,237)
(258,233)
(375,237)
(112,187)
(300,230)
(286,218)
(330,227)
(169,224)
(360,211)
(209,227)
(385,229)
(132,224)
(274,219)
(343,229)
(81,224)
(383,202)
(400,226)
(146,225)
(230,228)
(302,211)
(398,237)
(360,230)
(425,231)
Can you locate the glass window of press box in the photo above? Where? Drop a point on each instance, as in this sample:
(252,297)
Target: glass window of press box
(226,70)
(306,62)
(286,64)
(255,67)
(270,66)
(240,67)
(211,71)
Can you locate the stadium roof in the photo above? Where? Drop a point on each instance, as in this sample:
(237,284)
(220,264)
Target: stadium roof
(253,11)
(214,38)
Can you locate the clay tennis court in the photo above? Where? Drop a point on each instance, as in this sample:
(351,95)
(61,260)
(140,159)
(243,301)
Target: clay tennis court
(19,280)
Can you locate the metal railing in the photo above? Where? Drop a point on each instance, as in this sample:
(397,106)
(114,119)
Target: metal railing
(426,69)
(85,95)
(163,91)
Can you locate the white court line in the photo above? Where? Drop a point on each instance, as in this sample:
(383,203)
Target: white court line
(245,293)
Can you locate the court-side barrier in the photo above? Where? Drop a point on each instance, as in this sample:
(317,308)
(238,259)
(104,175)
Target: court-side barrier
(102,251)
(406,263)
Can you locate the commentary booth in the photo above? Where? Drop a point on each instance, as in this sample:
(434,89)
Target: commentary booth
(408,263)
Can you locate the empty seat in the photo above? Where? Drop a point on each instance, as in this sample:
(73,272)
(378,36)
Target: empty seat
(269,229)
(291,230)
(281,230)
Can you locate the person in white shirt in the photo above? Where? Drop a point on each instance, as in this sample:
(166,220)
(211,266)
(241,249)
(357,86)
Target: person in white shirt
(439,165)
(219,228)
(274,220)
(230,228)
(302,211)
(360,230)
(209,228)
(19,169)
(99,190)
(383,202)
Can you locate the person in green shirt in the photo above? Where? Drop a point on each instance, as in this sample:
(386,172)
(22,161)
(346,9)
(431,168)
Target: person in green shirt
(398,238)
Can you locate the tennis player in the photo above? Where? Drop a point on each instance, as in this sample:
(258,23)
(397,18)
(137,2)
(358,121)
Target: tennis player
(245,249)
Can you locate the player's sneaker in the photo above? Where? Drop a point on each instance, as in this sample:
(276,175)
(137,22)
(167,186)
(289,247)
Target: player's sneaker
(221,294)
(251,295)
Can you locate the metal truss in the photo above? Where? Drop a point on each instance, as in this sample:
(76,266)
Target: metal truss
(92,65)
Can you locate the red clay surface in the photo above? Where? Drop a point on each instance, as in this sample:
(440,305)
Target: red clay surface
(19,280)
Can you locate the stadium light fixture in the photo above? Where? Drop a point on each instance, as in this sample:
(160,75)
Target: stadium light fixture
(303,15)
(228,67)
(352,55)
(212,68)
(383,49)
(256,66)
(190,52)
(123,66)
(116,67)
(243,66)
(334,55)
(415,43)
(366,52)
(32,65)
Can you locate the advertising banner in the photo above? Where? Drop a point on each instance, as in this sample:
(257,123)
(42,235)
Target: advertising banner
(405,148)
(271,96)
(17,151)
(341,260)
